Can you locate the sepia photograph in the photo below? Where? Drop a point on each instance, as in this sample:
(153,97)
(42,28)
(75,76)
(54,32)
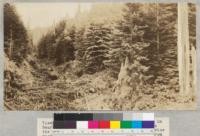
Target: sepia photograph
(99,56)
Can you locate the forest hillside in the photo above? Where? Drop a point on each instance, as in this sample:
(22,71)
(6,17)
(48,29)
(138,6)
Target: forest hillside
(113,57)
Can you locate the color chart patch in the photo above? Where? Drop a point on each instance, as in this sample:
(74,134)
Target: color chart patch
(104,121)
(45,128)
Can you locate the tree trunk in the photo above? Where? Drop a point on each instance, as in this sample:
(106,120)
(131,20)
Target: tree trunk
(194,70)
(11,45)
(158,34)
(183,49)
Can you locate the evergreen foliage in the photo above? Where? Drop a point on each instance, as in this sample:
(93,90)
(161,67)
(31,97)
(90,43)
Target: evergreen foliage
(192,24)
(168,44)
(131,44)
(58,45)
(78,44)
(129,53)
(16,41)
(146,34)
(96,42)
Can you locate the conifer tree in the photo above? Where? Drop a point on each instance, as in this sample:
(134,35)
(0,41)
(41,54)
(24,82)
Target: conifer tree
(79,44)
(97,44)
(192,23)
(168,45)
(132,45)
(192,38)
(151,18)
(58,45)
(15,35)
(116,53)
(64,50)
(42,47)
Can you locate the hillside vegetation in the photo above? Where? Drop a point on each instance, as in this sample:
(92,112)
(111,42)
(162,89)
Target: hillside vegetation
(126,60)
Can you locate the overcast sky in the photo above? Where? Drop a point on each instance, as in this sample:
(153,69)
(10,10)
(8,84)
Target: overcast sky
(45,14)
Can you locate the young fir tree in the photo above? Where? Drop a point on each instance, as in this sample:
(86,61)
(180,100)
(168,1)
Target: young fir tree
(48,43)
(192,38)
(150,17)
(16,40)
(57,36)
(97,44)
(116,53)
(168,72)
(42,47)
(46,46)
(65,50)
(72,33)
(132,45)
(79,44)
(58,45)
(192,23)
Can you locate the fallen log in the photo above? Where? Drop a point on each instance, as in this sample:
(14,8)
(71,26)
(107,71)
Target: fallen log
(36,88)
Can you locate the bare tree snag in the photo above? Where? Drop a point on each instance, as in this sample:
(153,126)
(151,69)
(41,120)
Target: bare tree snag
(194,69)
(183,48)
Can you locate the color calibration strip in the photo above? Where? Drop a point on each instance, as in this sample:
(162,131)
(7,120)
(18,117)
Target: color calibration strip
(45,128)
(104,121)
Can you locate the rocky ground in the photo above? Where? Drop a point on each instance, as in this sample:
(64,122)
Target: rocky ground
(36,86)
